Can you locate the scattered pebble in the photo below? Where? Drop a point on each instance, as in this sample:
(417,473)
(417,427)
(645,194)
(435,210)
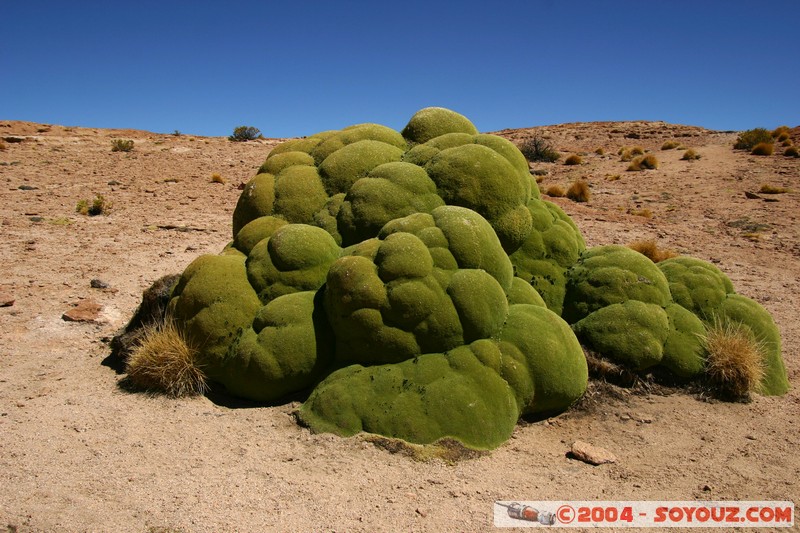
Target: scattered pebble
(83,311)
(28,188)
(594,455)
(98,284)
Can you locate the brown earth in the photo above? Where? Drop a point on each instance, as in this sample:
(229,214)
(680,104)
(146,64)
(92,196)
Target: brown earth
(78,453)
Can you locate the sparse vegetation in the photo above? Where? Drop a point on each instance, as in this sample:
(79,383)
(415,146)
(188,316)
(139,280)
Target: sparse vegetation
(626,155)
(771,189)
(690,155)
(3,145)
(579,191)
(600,151)
(538,149)
(99,206)
(165,361)
(787,142)
(574,159)
(216,178)
(555,191)
(121,145)
(750,138)
(766,148)
(244,133)
(613,177)
(734,363)
(784,136)
(644,162)
(670,145)
(637,150)
(780,130)
(641,212)
(792,152)
(651,250)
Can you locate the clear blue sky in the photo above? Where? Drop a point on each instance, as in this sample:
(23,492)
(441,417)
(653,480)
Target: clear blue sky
(294,68)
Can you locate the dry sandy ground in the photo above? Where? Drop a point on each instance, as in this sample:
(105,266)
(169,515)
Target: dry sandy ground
(77,453)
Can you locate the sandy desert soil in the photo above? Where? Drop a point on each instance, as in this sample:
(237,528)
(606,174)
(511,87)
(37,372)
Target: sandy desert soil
(78,453)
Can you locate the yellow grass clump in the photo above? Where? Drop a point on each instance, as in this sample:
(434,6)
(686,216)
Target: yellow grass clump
(579,191)
(637,150)
(734,359)
(216,178)
(555,191)
(600,151)
(792,152)
(651,250)
(165,361)
(644,162)
(574,159)
(779,131)
(690,155)
(772,189)
(669,145)
(763,149)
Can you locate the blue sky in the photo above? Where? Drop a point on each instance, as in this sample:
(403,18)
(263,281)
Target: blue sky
(294,68)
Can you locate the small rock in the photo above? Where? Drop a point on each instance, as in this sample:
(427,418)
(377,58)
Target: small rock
(36,219)
(421,512)
(84,311)
(98,284)
(114,182)
(752,195)
(705,488)
(28,188)
(6,300)
(594,455)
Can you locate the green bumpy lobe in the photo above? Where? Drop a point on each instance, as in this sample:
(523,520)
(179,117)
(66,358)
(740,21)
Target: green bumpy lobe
(257,200)
(326,218)
(481,179)
(542,360)
(256,231)
(341,169)
(295,258)
(353,134)
(305,144)
(631,333)
(612,274)
(552,246)
(697,285)
(420,400)
(521,292)
(432,122)
(740,309)
(278,162)
(390,191)
(299,194)
(683,349)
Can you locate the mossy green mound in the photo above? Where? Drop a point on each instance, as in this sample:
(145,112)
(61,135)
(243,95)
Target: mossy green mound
(432,122)
(683,349)
(697,285)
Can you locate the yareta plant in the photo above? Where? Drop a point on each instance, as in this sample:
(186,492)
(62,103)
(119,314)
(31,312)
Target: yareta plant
(412,284)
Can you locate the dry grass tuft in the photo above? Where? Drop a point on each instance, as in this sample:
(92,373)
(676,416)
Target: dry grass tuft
(771,189)
(216,178)
(613,177)
(3,145)
(670,145)
(446,449)
(644,162)
(600,151)
(690,155)
(734,364)
(784,136)
(643,212)
(579,191)
(165,361)
(574,159)
(121,145)
(792,152)
(555,191)
(637,150)
(650,249)
(763,149)
(779,131)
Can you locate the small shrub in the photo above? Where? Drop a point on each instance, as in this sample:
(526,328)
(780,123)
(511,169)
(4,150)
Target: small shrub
(626,155)
(637,150)
(177,133)
(771,189)
(555,191)
(792,152)
(651,250)
(644,162)
(670,145)
(734,359)
(748,139)
(244,133)
(787,142)
(643,212)
(574,159)
(99,206)
(690,155)
(784,136)
(538,149)
(3,145)
(763,149)
(579,191)
(780,130)
(216,178)
(121,145)
(613,177)
(164,361)
(600,151)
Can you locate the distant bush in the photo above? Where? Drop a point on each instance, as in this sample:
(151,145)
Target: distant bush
(555,191)
(99,206)
(579,191)
(600,151)
(538,149)
(765,148)
(780,130)
(625,155)
(792,152)
(783,136)
(644,162)
(747,140)
(574,159)
(244,133)
(772,189)
(787,142)
(690,155)
(121,145)
(637,150)
(669,145)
